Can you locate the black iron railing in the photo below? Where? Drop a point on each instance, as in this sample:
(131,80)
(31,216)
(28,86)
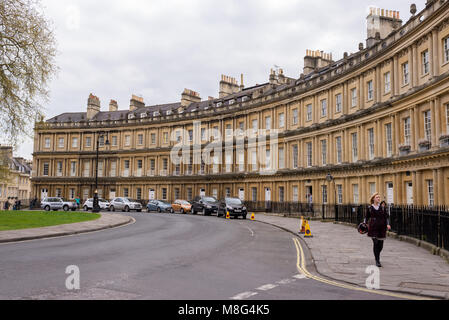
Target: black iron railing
(430,224)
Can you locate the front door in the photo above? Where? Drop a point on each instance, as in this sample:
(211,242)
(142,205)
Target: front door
(409,187)
(309,198)
(390,194)
(267,194)
(242,194)
(267,198)
(44,193)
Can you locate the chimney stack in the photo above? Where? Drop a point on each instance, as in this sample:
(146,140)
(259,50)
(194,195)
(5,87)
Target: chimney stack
(228,86)
(136,102)
(93,106)
(189,96)
(381,22)
(316,60)
(113,106)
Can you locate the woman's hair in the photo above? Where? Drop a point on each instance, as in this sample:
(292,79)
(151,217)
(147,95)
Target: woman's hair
(373,196)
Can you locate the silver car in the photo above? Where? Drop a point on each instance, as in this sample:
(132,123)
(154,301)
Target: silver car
(124,204)
(56,203)
(89,204)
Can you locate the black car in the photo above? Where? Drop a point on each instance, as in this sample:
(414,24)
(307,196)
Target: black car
(204,204)
(234,206)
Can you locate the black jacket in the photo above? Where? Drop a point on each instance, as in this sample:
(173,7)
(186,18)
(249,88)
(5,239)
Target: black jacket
(377,222)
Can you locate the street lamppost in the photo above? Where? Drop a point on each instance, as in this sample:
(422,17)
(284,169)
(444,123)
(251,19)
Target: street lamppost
(330,179)
(96,206)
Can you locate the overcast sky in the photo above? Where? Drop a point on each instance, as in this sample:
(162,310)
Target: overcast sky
(157,48)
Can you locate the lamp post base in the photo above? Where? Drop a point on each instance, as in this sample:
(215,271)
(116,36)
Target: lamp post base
(95,206)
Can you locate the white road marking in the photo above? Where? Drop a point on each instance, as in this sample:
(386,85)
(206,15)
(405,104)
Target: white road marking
(252,232)
(300,276)
(267,287)
(286,281)
(244,295)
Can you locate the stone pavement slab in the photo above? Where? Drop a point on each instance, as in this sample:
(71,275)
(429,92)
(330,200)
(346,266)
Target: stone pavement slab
(106,221)
(341,253)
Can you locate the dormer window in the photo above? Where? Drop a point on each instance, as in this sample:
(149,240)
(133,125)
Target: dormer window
(231,102)
(156,114)
(131,116)
(219,104)
(168,112)
(143,115)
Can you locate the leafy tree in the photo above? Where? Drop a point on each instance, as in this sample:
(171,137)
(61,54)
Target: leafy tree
(27,64)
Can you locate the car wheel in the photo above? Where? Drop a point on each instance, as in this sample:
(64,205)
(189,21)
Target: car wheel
(65,208)
(244,217)
(182,211)
(171,210)
(158,210)
(126,209)
(111,208)
(139,210)
(47,208)
(86,208)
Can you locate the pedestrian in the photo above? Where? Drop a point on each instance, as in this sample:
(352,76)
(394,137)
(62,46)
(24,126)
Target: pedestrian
(378,222)
(78,202)
(7,204)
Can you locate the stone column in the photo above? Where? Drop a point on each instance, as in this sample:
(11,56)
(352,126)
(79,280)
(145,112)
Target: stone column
(433,112)
(436,53)
(396,76)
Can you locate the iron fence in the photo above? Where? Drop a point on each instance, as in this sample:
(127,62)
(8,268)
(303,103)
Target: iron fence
(430,224)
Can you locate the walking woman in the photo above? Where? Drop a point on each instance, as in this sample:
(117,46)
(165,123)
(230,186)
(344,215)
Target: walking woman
(378,222)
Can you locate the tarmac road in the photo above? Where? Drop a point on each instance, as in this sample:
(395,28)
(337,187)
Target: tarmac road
(167,257)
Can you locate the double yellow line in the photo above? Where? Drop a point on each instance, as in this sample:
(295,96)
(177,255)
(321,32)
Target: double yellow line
(301,265)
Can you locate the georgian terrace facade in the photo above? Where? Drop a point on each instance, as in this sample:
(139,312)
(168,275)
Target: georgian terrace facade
(376,120)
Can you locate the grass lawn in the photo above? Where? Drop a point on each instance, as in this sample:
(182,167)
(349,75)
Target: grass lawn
(15,220)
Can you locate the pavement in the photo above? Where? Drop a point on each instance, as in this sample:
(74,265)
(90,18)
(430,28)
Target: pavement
(106,221)
(338,251)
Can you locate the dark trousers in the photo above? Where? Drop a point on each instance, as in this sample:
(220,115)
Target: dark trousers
(377,248)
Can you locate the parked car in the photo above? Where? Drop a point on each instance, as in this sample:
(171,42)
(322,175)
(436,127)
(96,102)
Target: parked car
(234,206)
(159,206)
(206,205)
(182,206)
(89,204)
(56,203)
(124,204)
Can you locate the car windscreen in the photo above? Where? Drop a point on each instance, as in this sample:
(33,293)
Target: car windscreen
(164,202)
(184,202)
(209,199)
(234,201)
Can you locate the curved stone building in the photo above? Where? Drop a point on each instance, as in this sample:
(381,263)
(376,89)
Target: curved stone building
(376,120)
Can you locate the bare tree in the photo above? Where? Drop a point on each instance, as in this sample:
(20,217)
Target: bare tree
(27,64)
